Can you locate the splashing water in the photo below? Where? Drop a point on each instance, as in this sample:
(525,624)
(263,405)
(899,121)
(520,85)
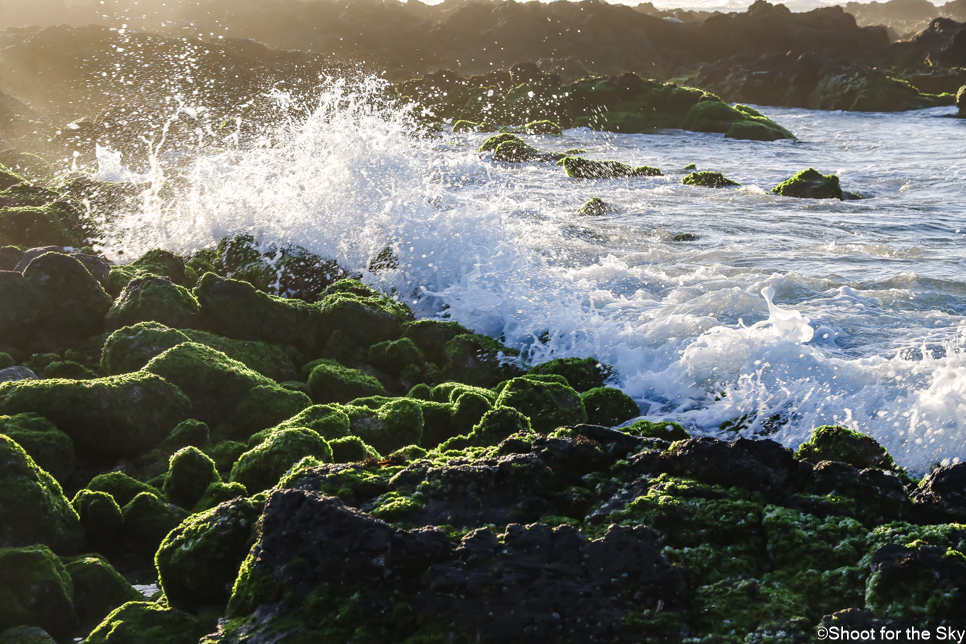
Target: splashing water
(873,340)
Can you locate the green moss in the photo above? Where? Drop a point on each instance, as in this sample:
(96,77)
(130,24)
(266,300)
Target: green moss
(608,406)
(217,493)
(465,126)
(119,415)
(276,361)
(101,518)
(146,622)
(190,472)
(120,486)
(665,430)
(188,433)
(580,168)
(33,508)
(68,370)
(595,207)
(261,467)
(737,607)
(515,152)
(431,335)
(214,382)
(199,560)
(393,356)
(351,449)
(492,143)
(154,299)
(331,382)
(810,184)
(708,180)
(581,373)
(477,360)
(225,453)
(835,443)
(35,590)
(395,506)
(329,421)
(263,407)
(98,588)
(495,426)
(162,263)
(9,177)
(36,226)
(50,448)
(147,519)
(390,427)
(547,405)
(362,314)
(468,409)
(129,349)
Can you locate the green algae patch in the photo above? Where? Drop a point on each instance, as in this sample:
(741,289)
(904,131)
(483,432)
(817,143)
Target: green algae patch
(664,430)
(261,467)
(331,382)
(190,472)
(608,406)
(51,449)
(115,416)
(515,152)
(351,449)
(581,373)
(835,443)
(130,348)
(35,590)
(154,299)
(580,168)
(708,180)
(329,421)
(392,426)
(98,588)
(33,508)
(120,486)
(543,127)
(162,263)
(147,519)
(810,184)
(147,622)
(198,561)
(492,143)
(548,405)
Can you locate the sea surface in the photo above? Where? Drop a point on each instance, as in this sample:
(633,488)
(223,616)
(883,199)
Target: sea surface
(782,315)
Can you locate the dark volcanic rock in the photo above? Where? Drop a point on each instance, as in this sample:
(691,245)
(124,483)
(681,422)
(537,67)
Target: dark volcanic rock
(539,581)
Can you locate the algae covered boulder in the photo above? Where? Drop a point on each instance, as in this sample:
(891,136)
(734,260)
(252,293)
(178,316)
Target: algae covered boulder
(668,431)
(548,405)
(101,518)
(708,180)
(147,520)
(98,588)
(608,406)
(580,168)
(581,373)
(260,468)
(120,486)
(595,207)
(154,299)
(106,417)
(35,590)
(835,443)
(395,356)
(392,426)
(33,508)
(331,382)
(262,407)
(492,143)
(810,184)
(328,421)
(50,448)
(515,152)
(212,381)
(26,635)
(190,472)
(478,360)
(363,315)
(136,622)
(132,347)
(198,561)
(76,304)
(162,263)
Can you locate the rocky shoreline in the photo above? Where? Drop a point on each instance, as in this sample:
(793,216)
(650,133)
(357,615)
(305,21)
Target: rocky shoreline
(293,457)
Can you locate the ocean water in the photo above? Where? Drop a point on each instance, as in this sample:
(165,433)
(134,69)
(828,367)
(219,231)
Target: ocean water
(782,315)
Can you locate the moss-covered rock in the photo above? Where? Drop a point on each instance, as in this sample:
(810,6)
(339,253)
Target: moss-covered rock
(191,432)
(35,590)
(49,447)
(608,406)
(430,336)
(198,561)
(42,225)
(218,493)
(515,152)
(351,449)
(465,126)
(212,381)
(810,184)
(129,349)
(595,207)
(543,127)
(395,356)
(190,472)
(101,518)
(224,453)
(137,622)
(548,405)
(154,299)
(105,417)
(75,302)
(261,467)
(493,142)
(33,508)
(478,360)
(835,443)
(26,635)
(98,588)
(580,168)
(494,427)
(68,370)
(664,430)
(392,426)
(331,382)
(263,407)
(581,373)
(147,520)
(328,421)
(237,310)
(163,263)
(708,180)
(120,486)
(362,314)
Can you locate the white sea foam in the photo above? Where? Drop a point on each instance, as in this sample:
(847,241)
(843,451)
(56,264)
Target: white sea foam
(784,314)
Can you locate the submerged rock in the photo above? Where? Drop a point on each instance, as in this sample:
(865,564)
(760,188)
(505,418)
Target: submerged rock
(810,184)
(581,168)
(595,207)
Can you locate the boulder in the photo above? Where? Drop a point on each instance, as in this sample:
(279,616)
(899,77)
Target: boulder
(580,168)
(708,180)
(101,518)
(35,590)
(581,373)
(331,382)
(33,508)
(810,184)
(106,417)
(154,299)
(75,304)
(190,472)
(98,588)
(147,521)
(260,468)
(120,486)
(608,406)
(548,405)
(147,622)
(50,448)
